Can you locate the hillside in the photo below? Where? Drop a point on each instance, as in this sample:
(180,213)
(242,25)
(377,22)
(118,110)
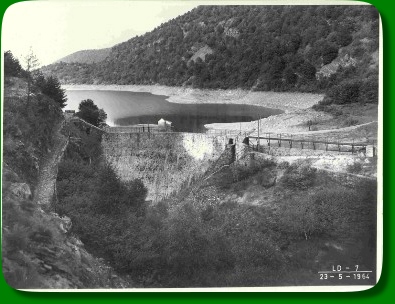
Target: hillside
(38,248)
(267,48)
(86,56)
(241,219)
(257,221)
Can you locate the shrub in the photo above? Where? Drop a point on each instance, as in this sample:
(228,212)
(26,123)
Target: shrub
(345,92)
(354,168)
(241,172)
(328,107)
(42,235)
(348,122)
(28,206)
(137,190)
(283,165)
(299,176)
(17,239)
(327,212)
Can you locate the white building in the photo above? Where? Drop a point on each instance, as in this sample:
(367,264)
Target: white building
(164,124)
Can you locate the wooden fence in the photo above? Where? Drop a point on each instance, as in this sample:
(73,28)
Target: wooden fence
(292,141)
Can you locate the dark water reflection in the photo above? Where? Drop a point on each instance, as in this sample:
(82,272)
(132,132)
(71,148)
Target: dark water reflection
(129,108)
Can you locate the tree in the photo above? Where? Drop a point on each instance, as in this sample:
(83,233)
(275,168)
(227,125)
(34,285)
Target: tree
(31,63)
(307,70)
(88,111)
(12,66)
(52,88)
(102,116)
(343,36)
(345,92)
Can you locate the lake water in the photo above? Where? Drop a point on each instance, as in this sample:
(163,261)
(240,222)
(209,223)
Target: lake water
(128,108)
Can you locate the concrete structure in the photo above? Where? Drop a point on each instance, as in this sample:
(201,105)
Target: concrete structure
(164,124)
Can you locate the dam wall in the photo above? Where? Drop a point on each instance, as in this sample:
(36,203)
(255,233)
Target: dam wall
(163,161)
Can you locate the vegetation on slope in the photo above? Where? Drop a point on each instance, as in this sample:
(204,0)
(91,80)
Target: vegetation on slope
(37,251)
(278,48)
(266,225)
(86,56)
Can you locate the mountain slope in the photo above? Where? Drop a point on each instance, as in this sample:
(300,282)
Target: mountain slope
(269,48)
(86,56)
(38,248)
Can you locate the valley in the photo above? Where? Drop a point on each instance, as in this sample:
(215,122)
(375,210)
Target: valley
(229,146)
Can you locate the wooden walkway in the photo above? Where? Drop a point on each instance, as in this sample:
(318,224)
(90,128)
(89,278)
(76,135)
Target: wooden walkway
(289,141)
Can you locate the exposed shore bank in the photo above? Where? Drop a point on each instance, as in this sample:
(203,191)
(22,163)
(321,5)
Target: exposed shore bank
(295,105)
(278,100)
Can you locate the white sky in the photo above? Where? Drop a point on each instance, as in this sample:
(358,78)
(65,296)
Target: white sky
(55,28)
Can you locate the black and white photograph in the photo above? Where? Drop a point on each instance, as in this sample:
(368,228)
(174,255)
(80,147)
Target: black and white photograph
(191,146)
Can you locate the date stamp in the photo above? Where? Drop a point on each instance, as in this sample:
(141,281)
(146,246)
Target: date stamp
(339,272)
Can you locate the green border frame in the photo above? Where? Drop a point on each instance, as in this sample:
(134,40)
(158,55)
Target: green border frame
(381,292)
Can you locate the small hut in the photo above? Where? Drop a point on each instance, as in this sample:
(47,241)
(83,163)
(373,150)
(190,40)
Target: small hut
(164,124)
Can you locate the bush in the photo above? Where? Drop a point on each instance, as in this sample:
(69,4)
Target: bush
(16,240)
(299,176)
(348,122)
(42,235)
(345,92)
(331,109)
(283,165)
(328,212)
(354,168)
(241,172)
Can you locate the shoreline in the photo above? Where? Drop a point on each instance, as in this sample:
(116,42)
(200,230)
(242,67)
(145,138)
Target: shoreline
(284,101)
(295,106)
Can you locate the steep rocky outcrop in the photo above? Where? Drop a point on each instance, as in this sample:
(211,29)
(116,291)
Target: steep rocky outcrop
(39,250)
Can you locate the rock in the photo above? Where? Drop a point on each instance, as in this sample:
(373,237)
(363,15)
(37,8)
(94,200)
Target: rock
(47,267)
(269,181)
(65,224)
(21,190)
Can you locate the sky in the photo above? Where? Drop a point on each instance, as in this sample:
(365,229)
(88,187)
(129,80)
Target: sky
(54,29)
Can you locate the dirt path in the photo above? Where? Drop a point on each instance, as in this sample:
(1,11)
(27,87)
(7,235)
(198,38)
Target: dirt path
(345,129)
(48,170)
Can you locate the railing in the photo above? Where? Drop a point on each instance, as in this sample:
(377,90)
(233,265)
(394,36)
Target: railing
(139,129)
(225,132)
(294,141)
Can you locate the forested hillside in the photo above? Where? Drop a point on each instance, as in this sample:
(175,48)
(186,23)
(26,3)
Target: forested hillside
(276,48)
(86,56)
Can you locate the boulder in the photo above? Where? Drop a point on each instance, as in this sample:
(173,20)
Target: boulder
(21,190)
(65,224)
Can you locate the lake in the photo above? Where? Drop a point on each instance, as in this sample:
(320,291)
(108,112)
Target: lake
(125,108)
